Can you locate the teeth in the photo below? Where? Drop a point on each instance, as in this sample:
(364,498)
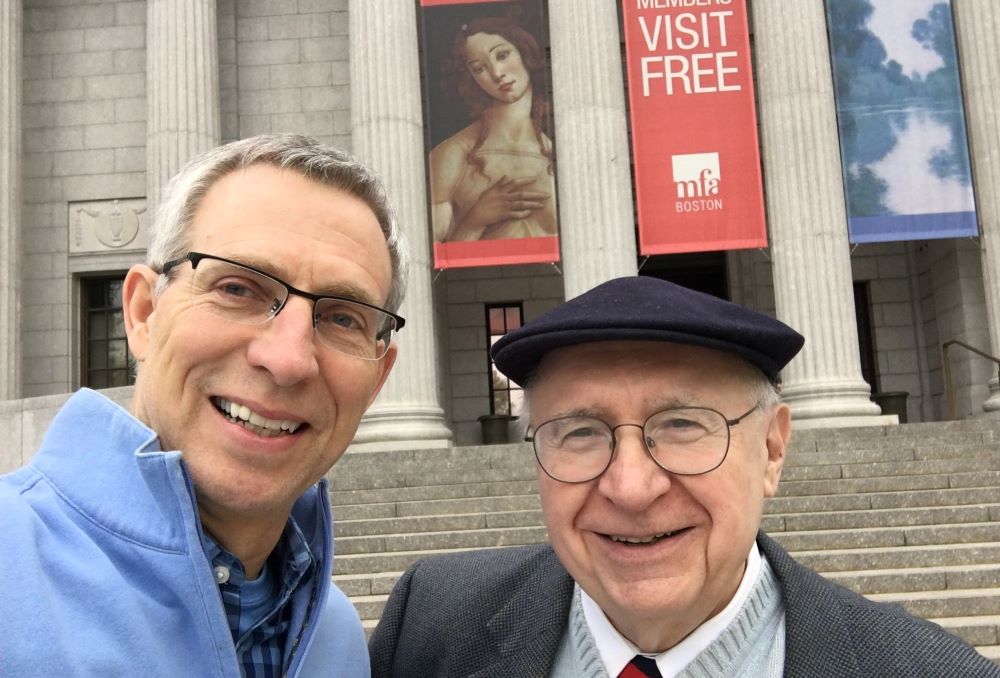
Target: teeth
(641,540)
(255,422)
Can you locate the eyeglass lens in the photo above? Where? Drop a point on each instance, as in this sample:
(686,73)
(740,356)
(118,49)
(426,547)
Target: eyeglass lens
(245,296)
(685,441)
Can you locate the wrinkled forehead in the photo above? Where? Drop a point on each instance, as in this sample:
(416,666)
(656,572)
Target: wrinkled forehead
(615,369)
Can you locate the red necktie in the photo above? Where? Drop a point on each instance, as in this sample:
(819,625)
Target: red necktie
(640,667)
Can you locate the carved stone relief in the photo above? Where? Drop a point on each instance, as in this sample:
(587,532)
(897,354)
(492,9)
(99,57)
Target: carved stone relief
(108,225)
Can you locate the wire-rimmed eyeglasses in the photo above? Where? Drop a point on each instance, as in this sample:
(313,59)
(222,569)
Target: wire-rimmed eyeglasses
(683,440)
(246,295)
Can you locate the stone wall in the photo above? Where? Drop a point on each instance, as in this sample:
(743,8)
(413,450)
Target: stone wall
(24,423)
(284,68)
(467,291)
(84,140)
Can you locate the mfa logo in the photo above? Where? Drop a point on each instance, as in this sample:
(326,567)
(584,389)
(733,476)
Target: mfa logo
(696,175)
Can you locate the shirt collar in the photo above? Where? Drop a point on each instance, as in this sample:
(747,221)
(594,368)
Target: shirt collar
(617,651)
(294,554)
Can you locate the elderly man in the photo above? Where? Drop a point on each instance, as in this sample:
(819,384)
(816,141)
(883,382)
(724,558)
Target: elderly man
(192,535)
(658,433)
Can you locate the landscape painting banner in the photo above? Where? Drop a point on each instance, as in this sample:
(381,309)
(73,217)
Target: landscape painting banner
(903,140)
(694,126)
(489,137)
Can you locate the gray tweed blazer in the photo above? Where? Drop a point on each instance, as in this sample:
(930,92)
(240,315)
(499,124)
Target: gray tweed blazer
(501,613)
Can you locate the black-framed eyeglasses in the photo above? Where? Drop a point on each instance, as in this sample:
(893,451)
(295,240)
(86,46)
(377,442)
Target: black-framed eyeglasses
(686,441)
(246,295)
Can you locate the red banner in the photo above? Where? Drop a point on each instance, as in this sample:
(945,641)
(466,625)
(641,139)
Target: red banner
(694,126)
(491,155)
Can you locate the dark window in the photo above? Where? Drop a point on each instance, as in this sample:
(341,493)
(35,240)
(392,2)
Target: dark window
(106,361)
(866,334)
(505,396)
(702,271)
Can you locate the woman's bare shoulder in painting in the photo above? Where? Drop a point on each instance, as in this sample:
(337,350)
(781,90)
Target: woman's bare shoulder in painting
(449,162)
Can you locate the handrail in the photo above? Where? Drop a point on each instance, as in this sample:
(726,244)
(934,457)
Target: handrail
(949,387)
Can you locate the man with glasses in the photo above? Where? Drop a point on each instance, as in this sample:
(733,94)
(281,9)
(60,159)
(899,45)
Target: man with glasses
(192,535)
(658,432)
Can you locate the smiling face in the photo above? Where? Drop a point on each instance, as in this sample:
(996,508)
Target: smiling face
(193,364)
(497,67)
(697,530)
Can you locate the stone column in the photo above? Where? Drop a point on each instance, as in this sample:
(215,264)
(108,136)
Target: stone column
(596,217)
(387,134)
(10,198)
(182,88)
(977,24)
(807,215)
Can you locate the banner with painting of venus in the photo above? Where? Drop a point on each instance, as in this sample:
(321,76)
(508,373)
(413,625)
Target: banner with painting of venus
(489,137)
(903,140)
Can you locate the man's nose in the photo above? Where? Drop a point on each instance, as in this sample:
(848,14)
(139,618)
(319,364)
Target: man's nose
(285,345)
(634,480)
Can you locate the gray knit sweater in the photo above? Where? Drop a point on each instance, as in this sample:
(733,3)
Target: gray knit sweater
(752,646)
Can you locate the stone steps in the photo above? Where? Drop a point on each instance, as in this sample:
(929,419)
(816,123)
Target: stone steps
(898,557)
(867,582)
(798,488)
(389,561)
(818,469)
(464,490)
(485,537)
(881,500)
(437,523)
(932,515)
(516,462)
(892,483)
(951,603)
(982,631)
(907,514)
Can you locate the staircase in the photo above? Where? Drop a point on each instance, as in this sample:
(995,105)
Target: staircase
(906,514)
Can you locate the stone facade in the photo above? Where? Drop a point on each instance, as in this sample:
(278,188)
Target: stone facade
(83,147)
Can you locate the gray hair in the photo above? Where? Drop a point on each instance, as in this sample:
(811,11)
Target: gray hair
(170,233)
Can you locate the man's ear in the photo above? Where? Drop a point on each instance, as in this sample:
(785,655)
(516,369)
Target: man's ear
(779,431)
(385,367)
(138,304)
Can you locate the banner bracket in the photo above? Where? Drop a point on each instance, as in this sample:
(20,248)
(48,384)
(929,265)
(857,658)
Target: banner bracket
(763,253)
(642,263)
(555,266)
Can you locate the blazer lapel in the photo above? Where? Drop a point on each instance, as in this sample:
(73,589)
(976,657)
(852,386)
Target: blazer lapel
(815,630)
(527,630)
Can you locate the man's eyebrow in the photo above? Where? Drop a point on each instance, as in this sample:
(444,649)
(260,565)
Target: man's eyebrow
(348,291)
(592,412)
(684,400)
(651,407)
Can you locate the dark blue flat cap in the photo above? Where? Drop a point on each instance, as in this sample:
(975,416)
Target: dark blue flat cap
(640,308)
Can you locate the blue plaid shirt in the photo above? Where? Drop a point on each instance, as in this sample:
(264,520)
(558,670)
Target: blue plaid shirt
(264,650)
